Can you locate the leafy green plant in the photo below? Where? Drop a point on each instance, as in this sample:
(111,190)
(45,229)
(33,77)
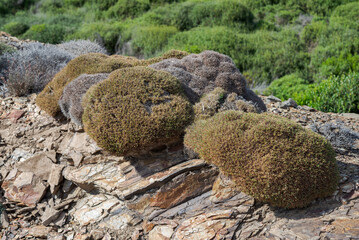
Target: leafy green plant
(286,86)
(339,65)
(128,9)
(15,28)
(337,94)
(106,32)
(45,33)
(150,40)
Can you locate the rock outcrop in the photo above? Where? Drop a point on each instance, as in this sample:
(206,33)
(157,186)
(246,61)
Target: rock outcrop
(68,188)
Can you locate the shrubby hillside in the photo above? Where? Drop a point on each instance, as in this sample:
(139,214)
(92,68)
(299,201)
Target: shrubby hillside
(293,45)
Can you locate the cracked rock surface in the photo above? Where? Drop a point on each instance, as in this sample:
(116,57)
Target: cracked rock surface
(56,183)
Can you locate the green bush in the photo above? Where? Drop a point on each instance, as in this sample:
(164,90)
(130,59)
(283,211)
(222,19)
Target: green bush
(45,33)
(190,14)
(128,9)
(219,39)
(312,32)
(337,94)
(52,6)
(269,157)
(317,7)
(339,65)
(135,110)
(11,6)
(255,4)
(348,11)
(16,28)
(286,87)
(105,4)
(150,40)
(336,40)
(75,3)
(106,32)
(221,13)
(263,55)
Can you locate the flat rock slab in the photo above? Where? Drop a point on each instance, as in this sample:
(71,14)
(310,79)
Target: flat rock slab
(156,180)
(39,164)
(183,188)
(15,115)
(92,209)
(78,142)
(213,225)
(24,187)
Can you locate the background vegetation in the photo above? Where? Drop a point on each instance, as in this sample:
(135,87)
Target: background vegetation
(302,48)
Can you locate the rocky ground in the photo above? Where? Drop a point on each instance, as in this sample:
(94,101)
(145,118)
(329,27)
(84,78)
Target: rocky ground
(57,184)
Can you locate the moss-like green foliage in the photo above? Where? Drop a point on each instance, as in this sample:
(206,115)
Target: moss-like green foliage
(135,110)
(269,157)
(91,63)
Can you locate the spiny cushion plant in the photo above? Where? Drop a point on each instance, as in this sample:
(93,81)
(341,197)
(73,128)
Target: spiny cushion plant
(70,101)
(91,63)
(201,73)
(167,55)
(135,110)
(220,100)
(269,157)
(80,47)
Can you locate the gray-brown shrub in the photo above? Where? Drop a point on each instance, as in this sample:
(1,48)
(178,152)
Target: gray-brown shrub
(71,99)
(201,73)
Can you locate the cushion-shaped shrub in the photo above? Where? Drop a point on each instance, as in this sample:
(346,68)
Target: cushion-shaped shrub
(220,100)
(167,55)
(31,68)
(201,73)
(91,63)
(135,110)
(71,99)
(80,47)
(269,157)
(16,28)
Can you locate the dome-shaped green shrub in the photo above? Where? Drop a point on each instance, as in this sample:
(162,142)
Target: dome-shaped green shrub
(269,157)
(135,110)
